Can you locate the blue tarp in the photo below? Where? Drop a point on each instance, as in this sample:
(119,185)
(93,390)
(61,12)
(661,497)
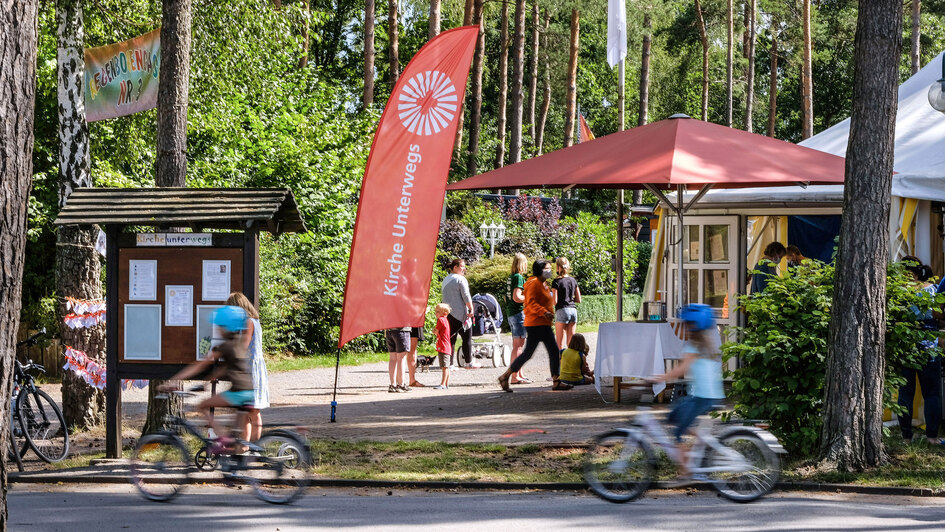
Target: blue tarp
(814,235)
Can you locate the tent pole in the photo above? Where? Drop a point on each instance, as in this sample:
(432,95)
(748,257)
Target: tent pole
(680,293)
(620,255)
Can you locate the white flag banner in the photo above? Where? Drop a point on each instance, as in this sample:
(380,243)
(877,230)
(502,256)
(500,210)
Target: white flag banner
(616,32)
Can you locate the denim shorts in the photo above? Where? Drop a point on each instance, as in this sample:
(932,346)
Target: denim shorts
(566,315)
(239,398)
(517,325)
(686,411)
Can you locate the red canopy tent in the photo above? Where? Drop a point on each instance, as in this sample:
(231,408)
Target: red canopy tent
(678,153)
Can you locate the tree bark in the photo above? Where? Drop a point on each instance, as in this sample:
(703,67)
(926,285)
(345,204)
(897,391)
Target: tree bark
(571,104)
(807,82)
(171,161)
(546,91)
(729,56)
(476,111)
(433,23)
(173,87)
(915,35)
(643,114)
(457,145)
(503,85)
(750,75)
(533,80)
(704,40)
(18,42)
(518,78)
(78,270)
(393,49)
(367,97)
(303,61)
(853,399)
(773,79)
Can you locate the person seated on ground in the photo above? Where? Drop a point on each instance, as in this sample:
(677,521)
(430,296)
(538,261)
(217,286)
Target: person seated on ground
(233,366)
(767,267)
(702,367)
(929,374)
(794,256)
(574,368)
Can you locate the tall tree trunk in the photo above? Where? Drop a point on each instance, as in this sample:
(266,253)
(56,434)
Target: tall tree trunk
(571,102)
(546,90)
(518,75)
(729,56)
(78,270)
(643,114)
(915,35)
(704,40)
(533,79)
(433,23)
(172,146)
(853,400)
(458,143)
(476,111)
(18,42)
(807,81)
(173,90)
(750,75)
(503,85)
(773,78)
(393,49)
(303,61)
(367,97)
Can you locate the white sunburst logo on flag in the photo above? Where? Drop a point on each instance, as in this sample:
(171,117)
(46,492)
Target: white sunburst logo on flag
(427,103)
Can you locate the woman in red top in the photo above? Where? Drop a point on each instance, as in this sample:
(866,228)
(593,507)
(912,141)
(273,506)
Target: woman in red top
(539,317)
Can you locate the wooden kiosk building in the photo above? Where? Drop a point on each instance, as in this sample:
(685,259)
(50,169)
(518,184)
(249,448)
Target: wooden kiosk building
(163,286)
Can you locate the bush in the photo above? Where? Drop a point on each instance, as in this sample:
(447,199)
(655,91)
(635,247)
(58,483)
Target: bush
(784,349)
(533,210)
(522,238)
(598,309)
(490,276)
(457,241)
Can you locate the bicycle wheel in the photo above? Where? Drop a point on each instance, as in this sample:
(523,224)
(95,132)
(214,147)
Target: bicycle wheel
(748,467)
(43,425)
(278,469)
(160,465)
(619,466)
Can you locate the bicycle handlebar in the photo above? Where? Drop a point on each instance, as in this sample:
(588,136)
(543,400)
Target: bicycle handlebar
(32,339)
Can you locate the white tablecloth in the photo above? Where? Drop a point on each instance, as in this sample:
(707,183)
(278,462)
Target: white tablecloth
(635,349)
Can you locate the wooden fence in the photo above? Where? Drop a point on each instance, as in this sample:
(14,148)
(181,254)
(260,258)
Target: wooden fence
(47,352)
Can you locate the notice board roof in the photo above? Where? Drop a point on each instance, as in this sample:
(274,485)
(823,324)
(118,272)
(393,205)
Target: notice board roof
(213,208)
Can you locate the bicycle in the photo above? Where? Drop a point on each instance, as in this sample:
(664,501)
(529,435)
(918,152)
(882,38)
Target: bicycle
(275,466)
(36,418)
(740,462)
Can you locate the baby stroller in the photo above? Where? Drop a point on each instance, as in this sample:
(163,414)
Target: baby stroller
(486,329)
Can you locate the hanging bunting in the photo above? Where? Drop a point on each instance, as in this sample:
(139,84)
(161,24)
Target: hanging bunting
(92,372)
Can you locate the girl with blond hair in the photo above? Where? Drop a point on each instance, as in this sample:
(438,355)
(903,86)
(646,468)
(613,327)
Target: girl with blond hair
(567,296)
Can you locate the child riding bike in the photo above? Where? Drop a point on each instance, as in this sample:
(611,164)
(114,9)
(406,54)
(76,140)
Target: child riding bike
(702,366)
(233,367)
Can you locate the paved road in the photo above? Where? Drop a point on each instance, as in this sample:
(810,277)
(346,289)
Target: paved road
(118,508)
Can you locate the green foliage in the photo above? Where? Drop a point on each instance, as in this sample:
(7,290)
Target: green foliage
(490,276)
(598,309)
(591,245)
(783,351)
(457,241)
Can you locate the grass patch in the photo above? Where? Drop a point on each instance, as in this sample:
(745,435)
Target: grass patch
(283,363)
(437,461)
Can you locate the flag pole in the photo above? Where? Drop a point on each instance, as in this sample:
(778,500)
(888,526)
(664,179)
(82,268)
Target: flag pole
(621,126)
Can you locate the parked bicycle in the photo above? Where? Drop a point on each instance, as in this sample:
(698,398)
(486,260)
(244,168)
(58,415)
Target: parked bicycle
(275,466)
(741,462)
(36,419)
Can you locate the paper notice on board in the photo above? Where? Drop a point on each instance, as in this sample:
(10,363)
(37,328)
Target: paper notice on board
(216,280)
(142,279)
(178,305)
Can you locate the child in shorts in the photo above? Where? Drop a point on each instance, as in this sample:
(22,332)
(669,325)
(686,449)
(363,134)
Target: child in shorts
(444,348)
(574,368)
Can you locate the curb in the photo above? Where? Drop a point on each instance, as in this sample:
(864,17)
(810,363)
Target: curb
(52,478)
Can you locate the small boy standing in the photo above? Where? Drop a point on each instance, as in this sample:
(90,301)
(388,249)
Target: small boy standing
(444,348)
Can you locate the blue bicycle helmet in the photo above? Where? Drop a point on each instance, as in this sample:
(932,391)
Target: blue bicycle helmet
(230,318)
(699,317)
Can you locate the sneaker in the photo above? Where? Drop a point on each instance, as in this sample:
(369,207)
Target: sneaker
(403,388)
(441,387)
(476,364)
(393,389)
(222,445)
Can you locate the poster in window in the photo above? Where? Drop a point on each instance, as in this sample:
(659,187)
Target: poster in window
(216,280)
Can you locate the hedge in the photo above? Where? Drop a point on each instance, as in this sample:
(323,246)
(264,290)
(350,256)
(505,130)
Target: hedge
(598,309)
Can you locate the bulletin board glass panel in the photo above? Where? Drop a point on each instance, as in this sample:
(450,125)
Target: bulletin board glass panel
(208,336)
(143,332)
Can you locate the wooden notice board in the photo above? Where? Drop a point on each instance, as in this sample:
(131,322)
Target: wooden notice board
(173,266)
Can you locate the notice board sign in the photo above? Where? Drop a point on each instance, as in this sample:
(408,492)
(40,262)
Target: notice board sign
(167,295)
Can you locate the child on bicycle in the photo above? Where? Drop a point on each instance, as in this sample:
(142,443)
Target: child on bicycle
(233,366)
(702,366)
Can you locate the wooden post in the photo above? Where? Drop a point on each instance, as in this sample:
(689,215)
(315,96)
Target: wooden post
(112,381)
